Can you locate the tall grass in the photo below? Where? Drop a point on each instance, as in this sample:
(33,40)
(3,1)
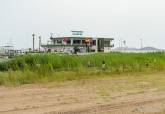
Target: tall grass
(114,62)
(32,68)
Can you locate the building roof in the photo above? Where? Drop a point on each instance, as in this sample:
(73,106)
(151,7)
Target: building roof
(81,37)
(52,45)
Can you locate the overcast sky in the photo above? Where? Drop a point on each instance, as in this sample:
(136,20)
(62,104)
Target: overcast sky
(129,20)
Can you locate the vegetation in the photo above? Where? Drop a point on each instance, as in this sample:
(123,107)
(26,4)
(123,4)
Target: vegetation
(2,60)
(114,61)
(53,67)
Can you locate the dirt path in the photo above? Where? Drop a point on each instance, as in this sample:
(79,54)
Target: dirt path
(79,99)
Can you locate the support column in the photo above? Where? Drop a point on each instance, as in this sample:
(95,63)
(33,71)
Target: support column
(71,41)
(96,50)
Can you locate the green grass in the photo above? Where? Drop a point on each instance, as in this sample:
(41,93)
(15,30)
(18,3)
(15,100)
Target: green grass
(52,67)
(29,77)
(2,59)
(114,62)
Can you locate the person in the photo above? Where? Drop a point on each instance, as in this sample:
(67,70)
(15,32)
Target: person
(147,63)
(103,65)
(89,64)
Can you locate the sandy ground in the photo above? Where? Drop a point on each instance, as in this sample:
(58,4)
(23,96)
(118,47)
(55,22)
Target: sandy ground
(79,98)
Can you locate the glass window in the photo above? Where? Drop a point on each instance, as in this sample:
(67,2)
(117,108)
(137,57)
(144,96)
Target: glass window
(83,42)
(94,42)
(106,43)
(68,42)
(59,41)
(76,41)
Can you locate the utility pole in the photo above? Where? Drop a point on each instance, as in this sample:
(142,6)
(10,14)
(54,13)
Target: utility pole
(39,43)
(33,35)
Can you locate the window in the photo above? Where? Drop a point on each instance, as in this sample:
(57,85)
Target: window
(106,43)
(76,41)
(68,42)
(94,42)
(59,41)
(83,42)
(54,41)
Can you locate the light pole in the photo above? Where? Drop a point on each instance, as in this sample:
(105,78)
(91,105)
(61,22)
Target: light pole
(39,43)
(33,35)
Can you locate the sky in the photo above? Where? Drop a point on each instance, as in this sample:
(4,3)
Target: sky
(129,20)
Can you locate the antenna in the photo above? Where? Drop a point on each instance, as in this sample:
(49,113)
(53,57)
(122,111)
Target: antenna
(141,43)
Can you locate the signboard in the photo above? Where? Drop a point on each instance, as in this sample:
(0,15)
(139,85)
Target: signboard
(77,32)
(88,40)
(65,41)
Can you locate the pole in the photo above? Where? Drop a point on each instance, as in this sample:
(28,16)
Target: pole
(141,43)
(33,41)
(39,43)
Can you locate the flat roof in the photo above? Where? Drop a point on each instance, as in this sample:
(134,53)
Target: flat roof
(82,37)
(53,45)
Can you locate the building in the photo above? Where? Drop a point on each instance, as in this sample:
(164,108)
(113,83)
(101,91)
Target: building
(78,44)
(9,52)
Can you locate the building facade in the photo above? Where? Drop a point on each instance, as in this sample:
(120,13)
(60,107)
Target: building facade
(78,44)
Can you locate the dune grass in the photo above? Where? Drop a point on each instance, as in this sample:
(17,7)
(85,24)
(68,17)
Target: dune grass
(52,67)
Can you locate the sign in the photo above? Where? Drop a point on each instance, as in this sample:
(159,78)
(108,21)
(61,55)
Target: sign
(65,39)
(88,40)
(77,32)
